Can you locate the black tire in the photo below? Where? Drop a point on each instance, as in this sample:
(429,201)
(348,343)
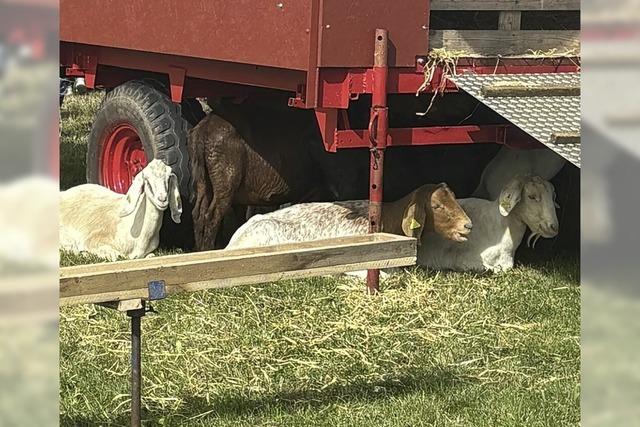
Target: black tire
(157,120)
(162,127)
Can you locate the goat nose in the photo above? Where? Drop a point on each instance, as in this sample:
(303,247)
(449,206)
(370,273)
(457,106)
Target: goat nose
(468,226)
(553,226)
(162,197)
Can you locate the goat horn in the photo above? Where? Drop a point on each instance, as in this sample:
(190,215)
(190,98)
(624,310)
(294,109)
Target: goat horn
(531,236)
(536,240)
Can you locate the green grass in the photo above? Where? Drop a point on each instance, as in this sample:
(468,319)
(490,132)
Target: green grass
(440,349)
(77,115)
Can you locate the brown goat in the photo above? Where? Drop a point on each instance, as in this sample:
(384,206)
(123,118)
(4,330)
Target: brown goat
(430,208)
(244,155)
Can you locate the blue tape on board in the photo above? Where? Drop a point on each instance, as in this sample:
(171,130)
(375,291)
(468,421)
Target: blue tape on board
(157,290)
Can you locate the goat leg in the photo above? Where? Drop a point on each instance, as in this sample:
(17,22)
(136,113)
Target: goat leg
(199,221)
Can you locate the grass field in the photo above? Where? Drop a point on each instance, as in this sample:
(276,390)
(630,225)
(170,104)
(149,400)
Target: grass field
(440,349)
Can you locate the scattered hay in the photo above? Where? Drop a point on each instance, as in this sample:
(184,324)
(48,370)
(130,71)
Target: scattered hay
(448,61)
(572,54)
(554,53)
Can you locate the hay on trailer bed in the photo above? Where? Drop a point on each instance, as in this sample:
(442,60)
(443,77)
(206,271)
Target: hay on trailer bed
(448,60)
(440,57)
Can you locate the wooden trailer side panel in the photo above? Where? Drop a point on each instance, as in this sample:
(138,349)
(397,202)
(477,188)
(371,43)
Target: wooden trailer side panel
(269,33)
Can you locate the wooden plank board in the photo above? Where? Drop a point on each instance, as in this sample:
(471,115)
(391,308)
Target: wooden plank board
(509,20)
(524,91)
(565,138)
(505,5)
(504,42)
(216,269)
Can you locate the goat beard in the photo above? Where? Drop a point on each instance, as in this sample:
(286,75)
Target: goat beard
(534,237)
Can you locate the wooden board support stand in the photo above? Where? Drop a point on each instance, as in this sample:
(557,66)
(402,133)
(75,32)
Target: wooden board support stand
(130,285)
(126,280)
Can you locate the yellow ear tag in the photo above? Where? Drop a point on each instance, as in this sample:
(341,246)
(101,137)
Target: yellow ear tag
(414,224)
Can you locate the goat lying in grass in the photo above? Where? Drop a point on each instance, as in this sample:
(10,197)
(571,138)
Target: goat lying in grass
(110,225)
(431,208)
(498,228)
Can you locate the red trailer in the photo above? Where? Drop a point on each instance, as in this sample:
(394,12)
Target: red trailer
(324,55)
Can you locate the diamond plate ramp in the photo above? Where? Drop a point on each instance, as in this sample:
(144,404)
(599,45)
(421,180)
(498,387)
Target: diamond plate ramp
(551,117)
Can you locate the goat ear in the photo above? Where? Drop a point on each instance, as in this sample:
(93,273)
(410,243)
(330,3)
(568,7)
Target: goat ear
(175,203)
(511,195)
(414,217)
(133,195)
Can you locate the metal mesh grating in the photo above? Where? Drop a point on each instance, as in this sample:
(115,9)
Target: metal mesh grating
(542,117)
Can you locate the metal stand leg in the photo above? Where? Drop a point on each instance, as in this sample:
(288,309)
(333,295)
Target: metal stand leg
(136,373)
(378,132)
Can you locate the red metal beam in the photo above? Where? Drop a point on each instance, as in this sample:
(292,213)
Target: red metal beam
(78,56)
(438,135)
(434,135)
(338,85)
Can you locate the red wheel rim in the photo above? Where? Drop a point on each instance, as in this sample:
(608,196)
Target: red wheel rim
(122,158)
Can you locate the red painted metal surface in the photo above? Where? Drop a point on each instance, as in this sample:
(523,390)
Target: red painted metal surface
(79,57)
(378,131)
(347,28)
(292,34)
(239,31)
(122,158)
(433,135)
(437,135)
(328,123)
(176,83)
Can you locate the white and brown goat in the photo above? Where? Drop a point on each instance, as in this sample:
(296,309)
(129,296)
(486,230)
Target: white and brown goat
(430,208)
(498,228)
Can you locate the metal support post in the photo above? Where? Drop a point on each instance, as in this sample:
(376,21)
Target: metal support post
(136,373)
(378,131)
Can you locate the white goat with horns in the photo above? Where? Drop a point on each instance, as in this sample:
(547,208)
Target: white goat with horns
(498,228)
(97,220)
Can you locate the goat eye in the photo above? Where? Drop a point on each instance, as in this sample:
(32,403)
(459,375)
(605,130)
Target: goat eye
(532,197)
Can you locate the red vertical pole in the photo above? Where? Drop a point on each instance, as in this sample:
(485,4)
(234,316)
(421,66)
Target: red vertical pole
(378,131)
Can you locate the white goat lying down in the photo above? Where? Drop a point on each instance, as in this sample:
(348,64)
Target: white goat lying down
(510,162)
(428,208)
(498,228)
(110,225)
